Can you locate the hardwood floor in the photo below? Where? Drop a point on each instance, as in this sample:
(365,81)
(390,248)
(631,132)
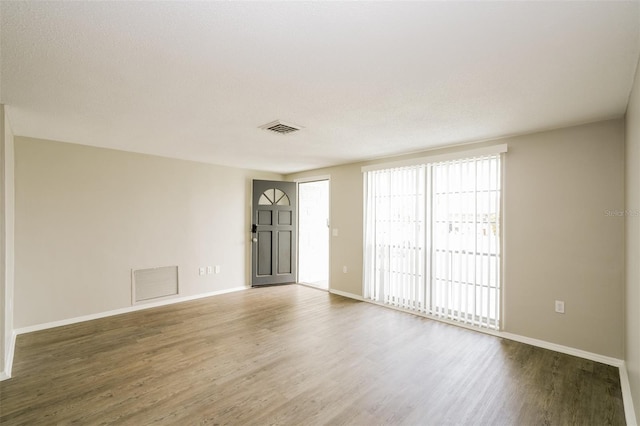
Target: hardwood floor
(300,356)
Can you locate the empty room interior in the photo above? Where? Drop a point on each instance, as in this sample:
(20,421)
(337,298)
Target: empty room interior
(320,213)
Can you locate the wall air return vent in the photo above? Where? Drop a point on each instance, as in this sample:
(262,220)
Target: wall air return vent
(281,127)
(148,284)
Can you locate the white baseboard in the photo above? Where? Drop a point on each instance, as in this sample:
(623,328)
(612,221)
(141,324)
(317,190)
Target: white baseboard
(8,362)
(629,411)
(615,362)
(128,309)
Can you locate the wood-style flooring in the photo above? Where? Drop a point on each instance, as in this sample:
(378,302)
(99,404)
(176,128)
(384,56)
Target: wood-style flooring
(293,355)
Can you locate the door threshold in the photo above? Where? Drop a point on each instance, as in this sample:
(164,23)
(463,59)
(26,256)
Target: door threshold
(270,285)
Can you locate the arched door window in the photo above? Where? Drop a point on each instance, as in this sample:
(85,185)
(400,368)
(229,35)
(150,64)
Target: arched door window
(272,197)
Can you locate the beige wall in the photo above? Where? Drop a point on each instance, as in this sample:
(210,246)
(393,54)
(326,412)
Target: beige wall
(85,217)
(558,241)
(632,309)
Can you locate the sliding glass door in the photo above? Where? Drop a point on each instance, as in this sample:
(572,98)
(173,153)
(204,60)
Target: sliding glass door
(432,239)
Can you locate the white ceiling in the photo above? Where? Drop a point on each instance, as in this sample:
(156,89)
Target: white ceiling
(194,80)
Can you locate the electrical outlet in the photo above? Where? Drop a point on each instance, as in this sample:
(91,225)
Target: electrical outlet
(334,232)
(217,269)
(201,271)
(344,269)
(560,306)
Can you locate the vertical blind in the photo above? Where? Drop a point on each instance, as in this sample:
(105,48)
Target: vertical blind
(432,238)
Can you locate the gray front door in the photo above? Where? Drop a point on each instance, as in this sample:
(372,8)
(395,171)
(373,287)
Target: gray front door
(273,233)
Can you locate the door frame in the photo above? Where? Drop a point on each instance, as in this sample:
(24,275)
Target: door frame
(308,179)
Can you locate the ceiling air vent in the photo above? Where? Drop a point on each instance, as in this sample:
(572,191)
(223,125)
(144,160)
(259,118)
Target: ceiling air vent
(280,127)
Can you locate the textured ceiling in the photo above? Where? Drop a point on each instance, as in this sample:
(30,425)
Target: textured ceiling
(194,80)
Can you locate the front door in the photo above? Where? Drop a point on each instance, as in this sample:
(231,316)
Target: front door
(273,233)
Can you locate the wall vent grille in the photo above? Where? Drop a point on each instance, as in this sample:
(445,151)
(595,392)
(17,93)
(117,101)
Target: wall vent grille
(281,127)
(148,284)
